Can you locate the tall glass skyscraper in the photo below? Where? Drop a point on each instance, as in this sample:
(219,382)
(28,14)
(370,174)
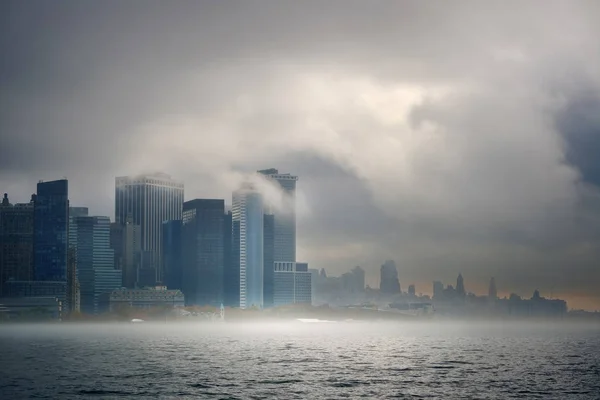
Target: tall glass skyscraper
(285,215)
(172,257)
(248,228)
(150,200)
(51,228)
(95,261)
(203,251)
(269,259)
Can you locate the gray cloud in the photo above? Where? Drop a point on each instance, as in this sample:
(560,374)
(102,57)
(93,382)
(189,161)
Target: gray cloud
(451,137)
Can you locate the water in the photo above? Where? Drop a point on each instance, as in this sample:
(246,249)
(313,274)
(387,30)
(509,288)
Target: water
(302,361)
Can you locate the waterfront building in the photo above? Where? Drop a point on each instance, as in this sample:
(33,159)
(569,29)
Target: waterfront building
(172,254)
(492,292)
(16,241)
(149,200)
(389,283)
(292,284)
(203,251)
(460,286)
(231,263)
(283,207)
(150,297)
(51,227)
(32,308)
(438,290)
(95,261)
(248,229)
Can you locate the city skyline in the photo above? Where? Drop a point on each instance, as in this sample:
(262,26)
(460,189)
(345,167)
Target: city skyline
(258,193)
(469,147)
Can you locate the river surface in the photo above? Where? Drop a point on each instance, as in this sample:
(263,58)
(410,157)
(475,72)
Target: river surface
(300,361)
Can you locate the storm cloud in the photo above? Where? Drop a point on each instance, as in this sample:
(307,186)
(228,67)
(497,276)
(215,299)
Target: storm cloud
(449,136)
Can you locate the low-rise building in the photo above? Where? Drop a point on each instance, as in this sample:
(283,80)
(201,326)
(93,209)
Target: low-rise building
(158,296)
(292,284)
(31,308)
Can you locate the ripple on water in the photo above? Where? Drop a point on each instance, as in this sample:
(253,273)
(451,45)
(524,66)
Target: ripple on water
(375,363)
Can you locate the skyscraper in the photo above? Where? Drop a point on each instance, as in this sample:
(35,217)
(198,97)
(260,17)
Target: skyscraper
(460,286)
(16,242)
(95,261)
(438,290)
(231,263)
(150,200)
(292,284)
(73,295)
(203,251)
(248,228)
(411,290)
(269,259)
(130,253)
(389,283)
(358,279)
(172,254)
(51,228)
(283,207)
(73,287)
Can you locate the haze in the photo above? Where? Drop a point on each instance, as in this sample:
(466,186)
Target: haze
(448,136)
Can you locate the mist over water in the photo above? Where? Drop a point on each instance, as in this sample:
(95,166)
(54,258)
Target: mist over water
(302,361)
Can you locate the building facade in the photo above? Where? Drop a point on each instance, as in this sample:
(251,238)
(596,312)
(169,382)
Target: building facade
(149,200)
(95,261)
(248,221)
(269,260)
(284,212)
(389,283)
(158,296)
(16,241)
(172,254)
(203,251)
(292,284)
(231,275)
(51,228)
(130,253)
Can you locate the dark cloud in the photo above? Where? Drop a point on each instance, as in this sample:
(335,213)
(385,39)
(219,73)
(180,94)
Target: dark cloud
(450,137)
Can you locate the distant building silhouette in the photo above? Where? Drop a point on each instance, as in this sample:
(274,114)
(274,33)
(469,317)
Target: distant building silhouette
(389,283)
(460,286)
(314,277)
(411,290)
(438,290)
(354,281)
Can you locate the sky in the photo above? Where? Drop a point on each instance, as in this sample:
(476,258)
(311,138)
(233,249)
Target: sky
(453,137)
